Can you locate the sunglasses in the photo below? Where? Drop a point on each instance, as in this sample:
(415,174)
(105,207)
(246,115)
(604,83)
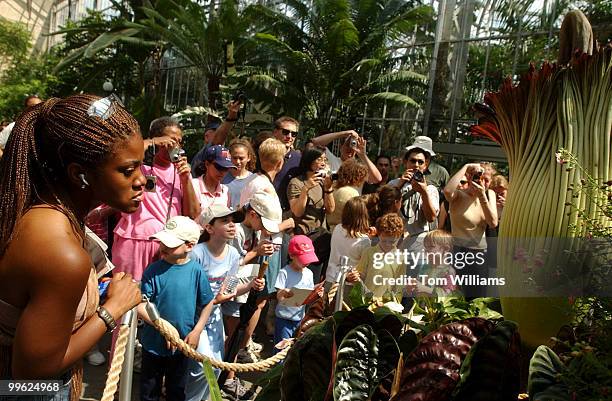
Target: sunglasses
(417,161)
(286,132)
(463,182)
(100,109)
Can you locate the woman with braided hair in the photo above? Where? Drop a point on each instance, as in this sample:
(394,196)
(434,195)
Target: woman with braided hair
(64,157)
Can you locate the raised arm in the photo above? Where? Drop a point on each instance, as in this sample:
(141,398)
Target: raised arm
(223,130)
(374,176)
(325,139)
(451,188)
(190,199)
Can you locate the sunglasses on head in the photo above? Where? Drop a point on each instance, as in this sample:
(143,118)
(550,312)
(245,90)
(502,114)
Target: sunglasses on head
(417,161)
(286,132)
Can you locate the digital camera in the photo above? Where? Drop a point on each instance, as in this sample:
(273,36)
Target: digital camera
(476,176)
(150,183)
(418,176)
(321,173)
(175,154)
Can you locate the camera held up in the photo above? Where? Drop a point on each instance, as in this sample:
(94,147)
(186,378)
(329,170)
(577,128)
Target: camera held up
(418,176)
(175,154)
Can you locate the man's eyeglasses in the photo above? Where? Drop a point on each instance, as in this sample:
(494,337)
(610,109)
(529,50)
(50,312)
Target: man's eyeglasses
(417,161)
(286,132)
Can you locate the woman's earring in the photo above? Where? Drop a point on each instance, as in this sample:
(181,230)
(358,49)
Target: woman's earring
(84,183)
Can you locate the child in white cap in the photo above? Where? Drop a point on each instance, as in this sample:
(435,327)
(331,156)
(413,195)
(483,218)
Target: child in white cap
(217,258)
(178,286)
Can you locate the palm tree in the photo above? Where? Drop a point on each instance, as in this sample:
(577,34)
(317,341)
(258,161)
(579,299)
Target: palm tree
(199,35)
(322,60)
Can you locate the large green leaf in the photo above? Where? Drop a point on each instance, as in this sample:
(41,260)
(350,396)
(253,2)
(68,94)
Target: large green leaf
(364,358)
(211,379)
(407,342)
(490,371)
(356,296)
(270,383)
(106,39)
(308,366)
(394,97)
(544,370)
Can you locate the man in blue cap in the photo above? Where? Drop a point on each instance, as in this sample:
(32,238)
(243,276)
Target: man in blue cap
(208,187)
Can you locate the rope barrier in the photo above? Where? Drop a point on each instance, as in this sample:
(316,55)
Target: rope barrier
(165,329)
(112,380)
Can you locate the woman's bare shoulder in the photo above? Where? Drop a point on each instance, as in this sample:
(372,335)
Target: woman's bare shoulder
(44,236)
(44,254)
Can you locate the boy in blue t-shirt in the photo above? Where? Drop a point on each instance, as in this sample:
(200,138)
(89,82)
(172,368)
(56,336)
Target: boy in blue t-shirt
(178,286)
(294,275)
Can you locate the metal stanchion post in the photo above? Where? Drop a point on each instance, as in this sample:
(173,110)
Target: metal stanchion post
(127,370)
(343,270)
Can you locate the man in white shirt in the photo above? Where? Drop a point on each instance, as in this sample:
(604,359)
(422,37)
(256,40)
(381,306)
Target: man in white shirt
(420,200)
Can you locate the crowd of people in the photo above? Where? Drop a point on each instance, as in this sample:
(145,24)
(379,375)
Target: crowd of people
(189,233)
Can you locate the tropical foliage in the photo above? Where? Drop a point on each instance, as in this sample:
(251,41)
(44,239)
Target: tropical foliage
(323,61)
(368,354)
(22,73)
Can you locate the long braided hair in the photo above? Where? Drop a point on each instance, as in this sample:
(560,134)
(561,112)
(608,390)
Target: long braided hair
(44,140)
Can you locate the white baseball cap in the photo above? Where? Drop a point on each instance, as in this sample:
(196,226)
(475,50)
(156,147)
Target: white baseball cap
(268,207)
(177,231)
(216,211)
(424,143)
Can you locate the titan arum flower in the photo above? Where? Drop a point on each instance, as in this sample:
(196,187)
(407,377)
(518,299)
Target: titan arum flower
(566,105)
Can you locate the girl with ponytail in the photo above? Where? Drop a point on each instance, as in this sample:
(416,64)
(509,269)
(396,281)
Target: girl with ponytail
(64,158)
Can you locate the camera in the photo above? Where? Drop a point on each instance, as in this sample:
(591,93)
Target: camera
(321,173)
(418,176)
(150,183)
(175,154)
(239,96)
(334,177)
(476,176)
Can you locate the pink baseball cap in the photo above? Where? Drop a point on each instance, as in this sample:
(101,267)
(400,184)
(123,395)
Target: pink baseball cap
(301,248)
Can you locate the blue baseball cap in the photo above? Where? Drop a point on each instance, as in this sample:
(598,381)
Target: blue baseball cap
(219,155)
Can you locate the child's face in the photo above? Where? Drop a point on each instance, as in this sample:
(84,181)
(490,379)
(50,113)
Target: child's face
(223,227)
(296,264)
(254,221)
(240,157)
(173,255)
(435,254)
(387,242)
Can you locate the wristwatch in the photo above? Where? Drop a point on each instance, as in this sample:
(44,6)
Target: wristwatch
(106,318)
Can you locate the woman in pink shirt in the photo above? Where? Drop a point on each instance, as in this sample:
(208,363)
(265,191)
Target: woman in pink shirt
(170,193)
